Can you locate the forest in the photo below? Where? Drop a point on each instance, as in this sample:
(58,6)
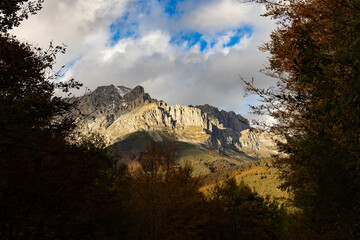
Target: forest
(54,185)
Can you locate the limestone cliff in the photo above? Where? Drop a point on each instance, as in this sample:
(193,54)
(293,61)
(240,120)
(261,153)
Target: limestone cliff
(119,111)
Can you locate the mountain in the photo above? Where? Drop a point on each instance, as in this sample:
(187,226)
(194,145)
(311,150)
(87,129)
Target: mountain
(129,118)
(105,104)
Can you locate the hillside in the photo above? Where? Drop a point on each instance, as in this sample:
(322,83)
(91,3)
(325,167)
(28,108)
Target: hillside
(260,175)
(210,139)
(204,160)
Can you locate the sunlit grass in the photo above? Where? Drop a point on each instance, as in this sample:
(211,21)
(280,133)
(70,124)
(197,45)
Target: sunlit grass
(259,175)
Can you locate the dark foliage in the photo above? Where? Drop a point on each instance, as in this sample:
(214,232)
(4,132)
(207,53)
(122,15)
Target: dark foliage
(237,212)
(49,188)
(315,56)
(12,12)
(165,199)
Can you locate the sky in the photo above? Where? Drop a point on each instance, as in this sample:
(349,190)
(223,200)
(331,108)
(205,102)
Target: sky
(188,52)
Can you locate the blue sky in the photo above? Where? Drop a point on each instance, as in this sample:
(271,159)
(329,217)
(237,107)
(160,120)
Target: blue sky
(182,51)
(171,7)
(127,26)
(192,38)
(123,27)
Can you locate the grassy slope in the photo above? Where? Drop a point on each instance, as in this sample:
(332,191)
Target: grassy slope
(213,166)
(259,175)
(134,142)
(203,159)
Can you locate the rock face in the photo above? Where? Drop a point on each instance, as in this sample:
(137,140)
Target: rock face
(224,119)
(185,123)
(105,104)
(119,111)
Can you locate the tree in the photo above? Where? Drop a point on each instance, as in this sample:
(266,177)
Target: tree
(165,199)
(26,86)
(12,12)
(315,57)
(50,188)
(237,212)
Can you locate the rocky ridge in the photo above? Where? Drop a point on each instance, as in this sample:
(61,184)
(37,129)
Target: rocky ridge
(117,112)
(105,104)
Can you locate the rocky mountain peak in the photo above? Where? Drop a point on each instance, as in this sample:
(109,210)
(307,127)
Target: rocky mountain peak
(105,104)
(106,92)
(137,93)
(138,90)
(119,111)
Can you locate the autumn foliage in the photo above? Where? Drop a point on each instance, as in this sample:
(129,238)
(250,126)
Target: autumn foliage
(166,203)
(315,55)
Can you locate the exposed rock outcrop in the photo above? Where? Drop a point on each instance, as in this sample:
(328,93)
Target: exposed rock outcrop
(100,108)
(224,119)
(185,123)
(120,111)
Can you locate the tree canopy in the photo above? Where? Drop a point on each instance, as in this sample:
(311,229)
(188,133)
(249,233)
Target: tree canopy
(165,198)
(315,57)
(237,212)
(50,188)
(12,12)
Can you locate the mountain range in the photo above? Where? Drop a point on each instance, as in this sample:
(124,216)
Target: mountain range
(211,139)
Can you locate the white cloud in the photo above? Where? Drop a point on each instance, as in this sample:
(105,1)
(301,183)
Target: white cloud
(174,73)
(226,14)
(80,24)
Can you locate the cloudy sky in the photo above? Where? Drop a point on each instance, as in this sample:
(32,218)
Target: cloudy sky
(181,51)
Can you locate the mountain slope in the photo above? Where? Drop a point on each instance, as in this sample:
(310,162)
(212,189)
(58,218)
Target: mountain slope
(130,117)
(205,160)
(260,175)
